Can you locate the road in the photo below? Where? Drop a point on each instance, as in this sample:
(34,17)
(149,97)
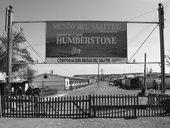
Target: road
(103,89)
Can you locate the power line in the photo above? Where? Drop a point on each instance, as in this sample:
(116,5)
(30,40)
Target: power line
(145,13)
(39,44)
(143,42)
(30,45)
(18,38)
(23,42)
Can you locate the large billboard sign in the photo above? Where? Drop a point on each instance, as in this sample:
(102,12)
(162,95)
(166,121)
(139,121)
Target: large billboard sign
(86,42)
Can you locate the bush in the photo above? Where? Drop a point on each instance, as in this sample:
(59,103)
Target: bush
(48,91)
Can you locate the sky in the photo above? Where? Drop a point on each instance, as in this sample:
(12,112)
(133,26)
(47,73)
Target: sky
(92,10)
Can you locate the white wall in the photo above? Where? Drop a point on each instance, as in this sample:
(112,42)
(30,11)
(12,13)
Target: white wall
(67,84)
(50,81)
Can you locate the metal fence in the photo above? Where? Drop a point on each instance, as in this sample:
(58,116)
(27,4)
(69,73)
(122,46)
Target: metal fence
(98,106)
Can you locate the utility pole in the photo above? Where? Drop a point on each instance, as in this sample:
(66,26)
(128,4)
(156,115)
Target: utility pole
(145,75)
(98,82)
(9,52)
(102,76)
(162,55)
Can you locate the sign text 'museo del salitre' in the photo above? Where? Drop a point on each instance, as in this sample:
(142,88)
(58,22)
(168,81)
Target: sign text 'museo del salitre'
(86,42)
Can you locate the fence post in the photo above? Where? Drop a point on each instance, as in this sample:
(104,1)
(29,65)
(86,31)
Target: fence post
(94,108)
(90,106)
(36,111)
(136,105)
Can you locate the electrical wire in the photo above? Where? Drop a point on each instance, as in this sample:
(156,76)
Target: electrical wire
(23,42)
(144,28)
(30,44)
(145,13)
(39,44)
(143,42)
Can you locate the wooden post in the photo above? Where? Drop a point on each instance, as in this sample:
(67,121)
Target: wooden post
(9,53)
(89,100)
(144,78)
(145,75)
(98,83)
(161,30)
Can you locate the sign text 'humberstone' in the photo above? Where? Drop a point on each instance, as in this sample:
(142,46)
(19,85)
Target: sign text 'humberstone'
(86,42)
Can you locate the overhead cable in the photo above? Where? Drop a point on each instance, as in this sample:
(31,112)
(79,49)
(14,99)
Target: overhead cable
(143,42)
(145,13)
(30,45)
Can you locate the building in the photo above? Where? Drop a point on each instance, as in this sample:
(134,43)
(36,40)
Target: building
(58,82)
(129,82)
(77,82)
(136,80)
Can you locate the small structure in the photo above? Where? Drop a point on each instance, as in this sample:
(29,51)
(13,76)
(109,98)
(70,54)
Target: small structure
(17,87)
(127,81)
(131,82)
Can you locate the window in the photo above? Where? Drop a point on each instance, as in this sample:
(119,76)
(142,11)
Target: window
(45,76)
(12,89)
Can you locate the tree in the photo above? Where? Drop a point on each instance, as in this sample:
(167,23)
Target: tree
(30,73)
(24,73)
(19,52)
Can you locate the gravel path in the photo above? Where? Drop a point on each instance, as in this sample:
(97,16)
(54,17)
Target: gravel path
(103,88)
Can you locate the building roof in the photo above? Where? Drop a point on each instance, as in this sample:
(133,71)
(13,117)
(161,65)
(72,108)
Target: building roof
(80,78)
(23,81)
(49,74)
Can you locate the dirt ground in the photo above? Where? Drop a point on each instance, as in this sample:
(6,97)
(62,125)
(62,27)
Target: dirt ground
(144,122)
(140,122)
(103,89)
(95,89)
